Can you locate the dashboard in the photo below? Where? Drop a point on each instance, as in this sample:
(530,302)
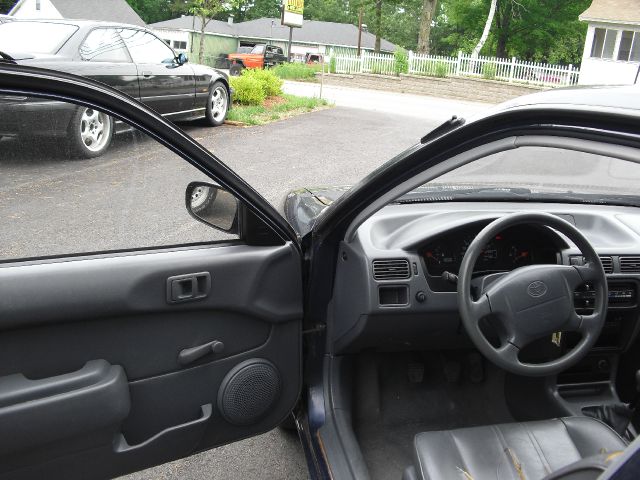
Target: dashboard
(390,292)
(515,247)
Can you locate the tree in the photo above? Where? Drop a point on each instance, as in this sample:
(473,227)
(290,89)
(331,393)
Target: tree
(428,12)
(152,11)
(536,30)
(205,10)
(487,28)
(6,6)
(378,27)
(243,10)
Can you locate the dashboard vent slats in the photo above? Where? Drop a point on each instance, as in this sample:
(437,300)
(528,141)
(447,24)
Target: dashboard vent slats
(391,269)
(630,264)
(607,264)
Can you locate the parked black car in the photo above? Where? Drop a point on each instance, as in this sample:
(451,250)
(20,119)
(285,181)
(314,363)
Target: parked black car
(126,57)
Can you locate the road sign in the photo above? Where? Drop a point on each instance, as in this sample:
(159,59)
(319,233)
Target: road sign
(292,13)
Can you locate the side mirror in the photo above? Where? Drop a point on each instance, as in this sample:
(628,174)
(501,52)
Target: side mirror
(212,205)
(182,59)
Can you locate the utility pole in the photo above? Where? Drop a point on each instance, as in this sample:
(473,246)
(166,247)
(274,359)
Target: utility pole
(360,27)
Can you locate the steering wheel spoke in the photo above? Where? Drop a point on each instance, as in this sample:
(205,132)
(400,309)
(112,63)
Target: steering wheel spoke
(589,323)
(509,353)
(574,323)
(589,272)
(482,307)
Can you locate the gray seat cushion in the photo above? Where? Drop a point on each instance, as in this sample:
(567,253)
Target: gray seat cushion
(529,450)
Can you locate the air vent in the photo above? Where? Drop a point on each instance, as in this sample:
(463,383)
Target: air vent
(630,264)
(607,264)
(392,269)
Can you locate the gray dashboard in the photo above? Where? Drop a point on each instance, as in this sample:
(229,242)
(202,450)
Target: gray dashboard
(386,298)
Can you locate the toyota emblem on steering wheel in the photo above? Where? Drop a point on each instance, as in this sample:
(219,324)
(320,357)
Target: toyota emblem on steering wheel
(537,289)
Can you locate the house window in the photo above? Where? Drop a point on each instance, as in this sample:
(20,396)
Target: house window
(38,5)
(179,45)
(604,42)
(629,50)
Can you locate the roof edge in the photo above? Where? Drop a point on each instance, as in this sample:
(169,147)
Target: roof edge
(583,18)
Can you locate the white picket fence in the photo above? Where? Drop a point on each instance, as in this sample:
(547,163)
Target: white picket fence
(464,65)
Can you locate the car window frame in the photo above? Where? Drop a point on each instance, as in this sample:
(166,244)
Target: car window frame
(101,27)
(143,30)
(59,86)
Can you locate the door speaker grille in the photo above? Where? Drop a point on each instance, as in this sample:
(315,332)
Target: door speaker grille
(249,391)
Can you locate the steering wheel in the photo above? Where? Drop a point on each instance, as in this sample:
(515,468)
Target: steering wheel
(531,302)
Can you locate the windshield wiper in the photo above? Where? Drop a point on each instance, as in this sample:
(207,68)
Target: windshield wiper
(6,58)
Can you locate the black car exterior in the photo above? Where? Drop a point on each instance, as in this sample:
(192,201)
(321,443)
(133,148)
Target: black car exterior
(126,57)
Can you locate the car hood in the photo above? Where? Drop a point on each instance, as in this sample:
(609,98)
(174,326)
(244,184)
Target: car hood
(303,206)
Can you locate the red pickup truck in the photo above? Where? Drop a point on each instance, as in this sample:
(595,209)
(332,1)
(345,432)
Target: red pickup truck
(261,56)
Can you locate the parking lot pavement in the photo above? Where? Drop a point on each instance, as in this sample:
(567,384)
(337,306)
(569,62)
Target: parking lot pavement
(329,147)
(432,109)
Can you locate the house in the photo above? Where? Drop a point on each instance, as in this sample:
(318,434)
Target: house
(106,10)
(612,48)
(225,37)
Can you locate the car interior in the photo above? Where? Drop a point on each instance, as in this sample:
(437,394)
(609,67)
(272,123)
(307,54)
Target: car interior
(412,393)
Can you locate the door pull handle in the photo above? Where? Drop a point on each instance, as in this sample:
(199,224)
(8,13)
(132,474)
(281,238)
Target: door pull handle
(190,355)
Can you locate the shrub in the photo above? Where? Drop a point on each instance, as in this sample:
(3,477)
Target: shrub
(247,90)
(441,70)
(296,71)
(489,71)
(402,61)
(332,65)
(270,83)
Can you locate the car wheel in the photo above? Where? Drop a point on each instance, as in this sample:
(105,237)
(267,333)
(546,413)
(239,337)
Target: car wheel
(90,133)
(235,70)
(201,198)
(217,104)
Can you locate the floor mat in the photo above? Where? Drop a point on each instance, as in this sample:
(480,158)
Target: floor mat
(435,403)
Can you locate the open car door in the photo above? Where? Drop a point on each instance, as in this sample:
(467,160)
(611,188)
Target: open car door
(130,333)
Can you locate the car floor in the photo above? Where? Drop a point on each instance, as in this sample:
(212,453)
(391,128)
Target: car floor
(394,403)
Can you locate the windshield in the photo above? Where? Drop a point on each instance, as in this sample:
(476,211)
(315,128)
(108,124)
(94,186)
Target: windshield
(34,37)
(538,173)
(258,49)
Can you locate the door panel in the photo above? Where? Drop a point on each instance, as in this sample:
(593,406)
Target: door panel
(102,372)
(73,327)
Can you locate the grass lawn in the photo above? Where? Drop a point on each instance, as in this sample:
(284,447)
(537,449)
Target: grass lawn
(275,108)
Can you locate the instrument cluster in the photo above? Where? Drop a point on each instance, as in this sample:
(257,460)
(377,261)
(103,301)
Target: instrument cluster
(511,249)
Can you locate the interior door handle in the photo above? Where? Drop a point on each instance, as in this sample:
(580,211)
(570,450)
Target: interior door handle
(185,288)
(190,355)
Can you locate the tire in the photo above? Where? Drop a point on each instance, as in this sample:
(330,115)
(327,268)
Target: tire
(217,104)
(235,70)
(90,133)
(202,197)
